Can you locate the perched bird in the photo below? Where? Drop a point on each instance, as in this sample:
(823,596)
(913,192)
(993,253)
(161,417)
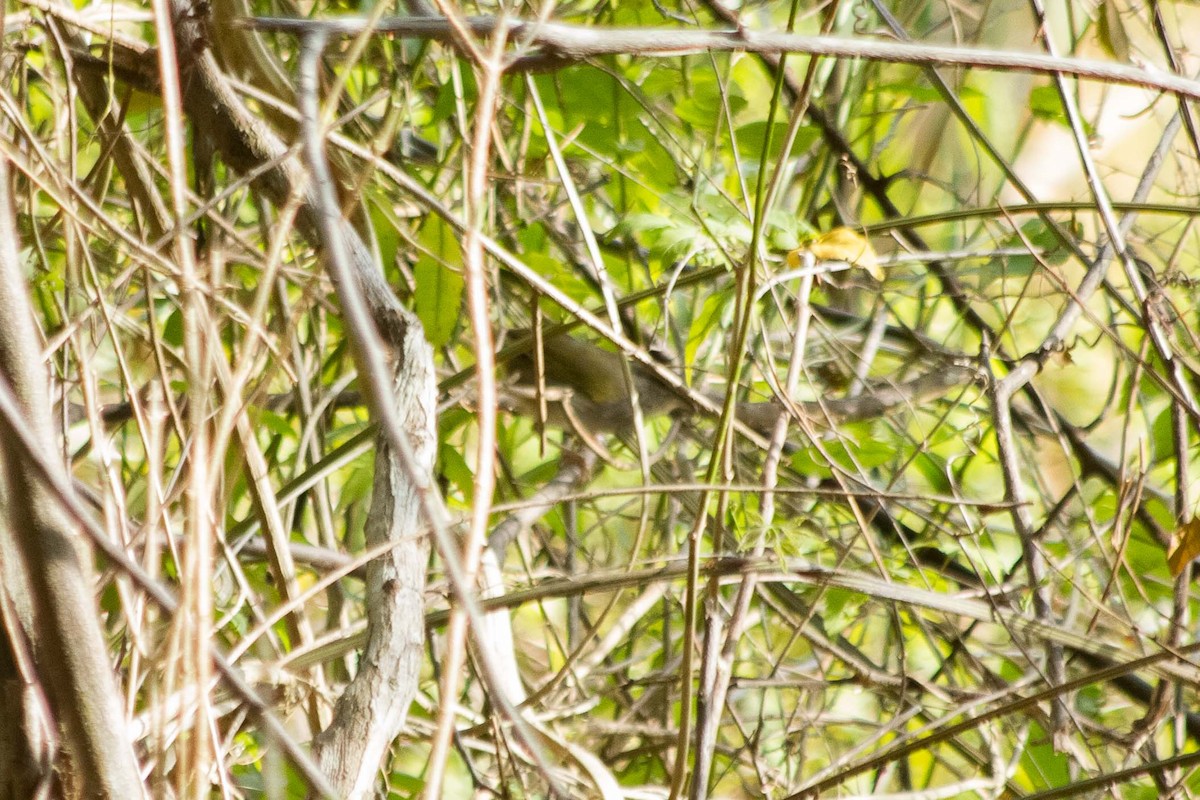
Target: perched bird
(585,387)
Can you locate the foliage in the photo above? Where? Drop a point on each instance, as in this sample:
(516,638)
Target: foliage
(839,571)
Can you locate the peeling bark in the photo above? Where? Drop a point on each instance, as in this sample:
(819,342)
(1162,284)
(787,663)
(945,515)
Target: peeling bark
(371,712)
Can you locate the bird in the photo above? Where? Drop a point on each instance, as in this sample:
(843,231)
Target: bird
(585,387)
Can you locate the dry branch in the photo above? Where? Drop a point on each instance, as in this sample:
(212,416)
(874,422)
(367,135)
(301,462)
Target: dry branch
(47,576)
(562,43)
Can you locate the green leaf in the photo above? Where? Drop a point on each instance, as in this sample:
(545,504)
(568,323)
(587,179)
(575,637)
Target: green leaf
(1162,432)
(173,329)
(710,316)
(870,448)
(563,276)
(456,470)
(439,288)
(1043,765)
(859,446)
(1045,104)
(1089,701)
(842,608)
(386,225)
(785,230)
(1111,31)
(640,223)
(276,423)
(810,463)
(750,139)
(675,242)
(702,105)
(358,480)
(933,468)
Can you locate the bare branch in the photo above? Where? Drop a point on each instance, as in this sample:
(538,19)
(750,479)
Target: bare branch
(562,43)
(43,549)
(397,367)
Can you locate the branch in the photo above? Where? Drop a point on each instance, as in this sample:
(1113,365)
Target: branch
(59,492)
(563,44)
(47,560)
(396,366)
(585,390)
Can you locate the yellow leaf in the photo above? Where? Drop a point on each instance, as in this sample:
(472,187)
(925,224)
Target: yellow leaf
(1185,546)
(847,244)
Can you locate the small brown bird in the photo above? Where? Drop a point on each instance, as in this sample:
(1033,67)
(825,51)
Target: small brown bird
(586,388)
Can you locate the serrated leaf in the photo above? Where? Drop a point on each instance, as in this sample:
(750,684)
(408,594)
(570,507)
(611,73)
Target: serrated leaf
(1185,546)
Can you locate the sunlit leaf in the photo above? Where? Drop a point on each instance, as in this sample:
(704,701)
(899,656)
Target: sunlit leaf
(1185,546)
(1045,104)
